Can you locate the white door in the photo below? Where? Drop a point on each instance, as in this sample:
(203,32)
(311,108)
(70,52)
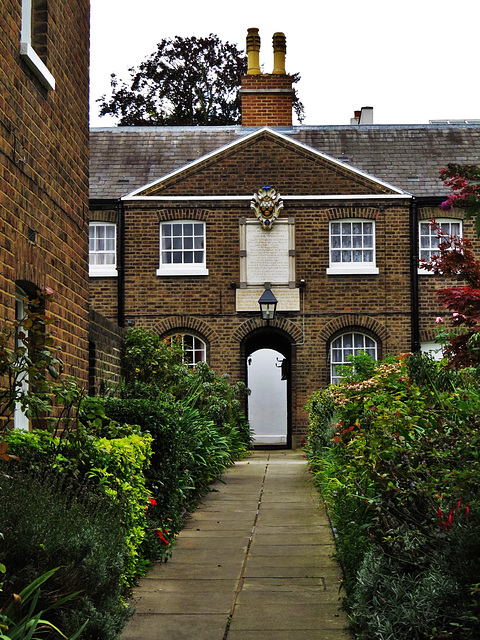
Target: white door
(267,403)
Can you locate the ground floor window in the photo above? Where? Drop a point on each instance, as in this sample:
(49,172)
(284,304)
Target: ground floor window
(194,349)
(349,344)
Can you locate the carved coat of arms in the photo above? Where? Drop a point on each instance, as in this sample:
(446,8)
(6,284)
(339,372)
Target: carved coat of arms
(267,205)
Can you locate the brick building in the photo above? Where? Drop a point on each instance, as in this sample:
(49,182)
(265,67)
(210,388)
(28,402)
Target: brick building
(44,58)
(191,225)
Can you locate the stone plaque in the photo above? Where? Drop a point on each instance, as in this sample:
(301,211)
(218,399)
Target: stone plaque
(288,299)
(267,255)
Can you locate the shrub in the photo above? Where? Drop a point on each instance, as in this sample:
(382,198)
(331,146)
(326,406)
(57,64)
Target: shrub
(400,474)
(48,522)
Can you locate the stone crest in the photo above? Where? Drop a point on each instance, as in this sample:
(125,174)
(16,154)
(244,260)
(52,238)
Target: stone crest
(267,205)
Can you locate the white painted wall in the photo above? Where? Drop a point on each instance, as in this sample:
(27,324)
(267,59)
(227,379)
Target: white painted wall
(267,403)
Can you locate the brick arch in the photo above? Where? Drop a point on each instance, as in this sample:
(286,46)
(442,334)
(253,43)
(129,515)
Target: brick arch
(283,324)
(177,323)
(182,213)
(348,321)
(338,213)
(428,335)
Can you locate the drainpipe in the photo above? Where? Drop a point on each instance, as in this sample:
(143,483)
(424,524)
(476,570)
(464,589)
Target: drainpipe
(121,264)
(415,323)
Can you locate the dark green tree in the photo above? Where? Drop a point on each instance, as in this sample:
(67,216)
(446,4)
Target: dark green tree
(186,81)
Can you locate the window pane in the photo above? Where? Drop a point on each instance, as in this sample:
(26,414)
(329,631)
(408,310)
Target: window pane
(346,242)
(335,241)
(177,243)
(367,228)
(348,340)
(346,256)
(188,229)
(346,228)
(199,229)
(336,256)
(177,230)
(188,257)
(188,243)
(358,256)
(368,256)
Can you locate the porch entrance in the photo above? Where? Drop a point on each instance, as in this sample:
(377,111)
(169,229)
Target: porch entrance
(268,378)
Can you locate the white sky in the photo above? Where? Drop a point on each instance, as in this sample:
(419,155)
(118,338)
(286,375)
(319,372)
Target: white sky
(411,60)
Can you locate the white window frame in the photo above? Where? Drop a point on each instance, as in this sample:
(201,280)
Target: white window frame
(103,270)
(199,347)
(351,268)
(182,268)
(27,51)
(433,240)
(349,350)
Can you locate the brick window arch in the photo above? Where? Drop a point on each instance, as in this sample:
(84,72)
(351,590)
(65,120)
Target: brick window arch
(347,344)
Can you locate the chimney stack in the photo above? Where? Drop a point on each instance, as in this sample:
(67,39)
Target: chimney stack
(267,99)
(364,116)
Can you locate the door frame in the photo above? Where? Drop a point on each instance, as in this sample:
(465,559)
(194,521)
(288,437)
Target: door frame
(269,337)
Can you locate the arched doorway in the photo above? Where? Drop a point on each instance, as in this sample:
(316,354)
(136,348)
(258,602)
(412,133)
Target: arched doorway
(268,366)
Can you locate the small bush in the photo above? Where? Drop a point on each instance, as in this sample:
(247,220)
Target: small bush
(49,521)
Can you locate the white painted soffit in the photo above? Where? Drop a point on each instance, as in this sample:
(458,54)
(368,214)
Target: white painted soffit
(134,194)
(372,196)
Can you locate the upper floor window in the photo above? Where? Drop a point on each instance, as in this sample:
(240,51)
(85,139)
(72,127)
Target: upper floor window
(194,349)
(429,240)
(33,39)
(349,344)
(182,249)
(102,249)
(352,247)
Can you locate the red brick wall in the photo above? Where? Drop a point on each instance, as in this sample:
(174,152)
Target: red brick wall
(267,100)
(378,305)
(44,172)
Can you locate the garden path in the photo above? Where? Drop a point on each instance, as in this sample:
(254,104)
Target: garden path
(254,562)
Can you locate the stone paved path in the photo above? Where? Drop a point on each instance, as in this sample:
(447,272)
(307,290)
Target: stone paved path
(253,563)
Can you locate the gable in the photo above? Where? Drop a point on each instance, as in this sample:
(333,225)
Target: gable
(265,157)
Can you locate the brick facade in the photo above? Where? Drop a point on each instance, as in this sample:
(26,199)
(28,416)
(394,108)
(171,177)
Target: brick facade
(378,306)
(44,168)
(210,175)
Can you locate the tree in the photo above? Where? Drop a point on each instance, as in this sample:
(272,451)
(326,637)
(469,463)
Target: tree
(464,181)
(186,81)
(456,259)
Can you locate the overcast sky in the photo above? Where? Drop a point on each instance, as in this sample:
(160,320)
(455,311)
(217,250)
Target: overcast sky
(411,60)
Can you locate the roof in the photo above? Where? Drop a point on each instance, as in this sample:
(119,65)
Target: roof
(123,159)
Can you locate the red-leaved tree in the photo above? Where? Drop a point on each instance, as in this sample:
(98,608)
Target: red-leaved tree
(455,258)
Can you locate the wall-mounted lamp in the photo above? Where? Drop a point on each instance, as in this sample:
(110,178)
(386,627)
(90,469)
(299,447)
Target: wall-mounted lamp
(268,304)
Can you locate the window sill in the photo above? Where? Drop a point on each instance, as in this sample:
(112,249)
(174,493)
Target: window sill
(107,273)
(183,272)
(37,66)
(352,271)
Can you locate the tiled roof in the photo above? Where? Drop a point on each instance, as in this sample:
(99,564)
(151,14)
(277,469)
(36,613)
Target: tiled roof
(407,156)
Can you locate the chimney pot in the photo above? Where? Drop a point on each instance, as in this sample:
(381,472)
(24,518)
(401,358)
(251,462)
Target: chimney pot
(253,52)
(279,51)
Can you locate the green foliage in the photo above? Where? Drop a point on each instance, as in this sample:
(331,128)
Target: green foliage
(28,351)
(396,457)
(51,521)
(22,626)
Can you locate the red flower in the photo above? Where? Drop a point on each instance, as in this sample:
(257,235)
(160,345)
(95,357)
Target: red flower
(152,501)
(159,533)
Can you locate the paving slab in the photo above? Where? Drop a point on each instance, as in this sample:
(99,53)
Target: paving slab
(254,562)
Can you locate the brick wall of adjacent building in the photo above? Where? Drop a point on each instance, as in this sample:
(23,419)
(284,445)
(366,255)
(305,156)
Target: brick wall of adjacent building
(44,172)
(105,350)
